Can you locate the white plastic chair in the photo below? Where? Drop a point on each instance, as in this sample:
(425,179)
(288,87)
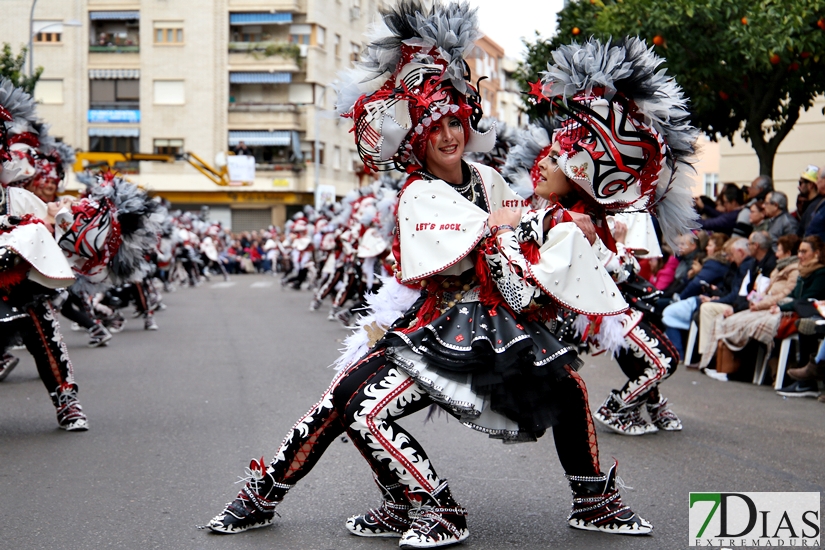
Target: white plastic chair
(784,351)
(691,342)
(760,372)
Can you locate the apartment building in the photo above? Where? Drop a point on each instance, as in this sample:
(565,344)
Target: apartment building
(174,76)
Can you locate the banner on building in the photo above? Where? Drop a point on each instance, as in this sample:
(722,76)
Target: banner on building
(324,196)
(241,169)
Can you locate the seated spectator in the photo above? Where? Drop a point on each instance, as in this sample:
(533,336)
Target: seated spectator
(761,248)
(810,285)
(722,220)
(808,196)
(713,306)
(676,316)
(758,189)
(776,211)
(757,322)
(815,213)
(687,252)
(663,270)
(758,219)
(229,258)
(252,252)
(808,377)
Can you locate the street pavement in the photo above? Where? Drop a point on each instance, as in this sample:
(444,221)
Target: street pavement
(176,414)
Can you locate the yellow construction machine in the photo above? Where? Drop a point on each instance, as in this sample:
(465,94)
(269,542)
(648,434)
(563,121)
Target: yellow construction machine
(89,159)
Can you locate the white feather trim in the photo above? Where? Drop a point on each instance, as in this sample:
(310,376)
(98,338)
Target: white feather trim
(385,306)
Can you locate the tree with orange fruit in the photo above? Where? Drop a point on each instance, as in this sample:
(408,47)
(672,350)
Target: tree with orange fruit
(749,66)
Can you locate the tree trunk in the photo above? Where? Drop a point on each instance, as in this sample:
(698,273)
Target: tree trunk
(766,157)
(765,150)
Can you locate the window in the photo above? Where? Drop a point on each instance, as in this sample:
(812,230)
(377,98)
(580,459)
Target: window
(168,146)
(46,32)
(49,92)
(45,37)
(168,32)
(355,163)
(114,94)
(355,52)
(336,158)
(114,31)
(711,181)
(169,92)
(336,43)
(299,34)
(111,144)
(320,36)
(300,93)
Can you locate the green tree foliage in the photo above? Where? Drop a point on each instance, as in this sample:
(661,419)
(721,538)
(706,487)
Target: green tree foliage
(11,67)
(749,65)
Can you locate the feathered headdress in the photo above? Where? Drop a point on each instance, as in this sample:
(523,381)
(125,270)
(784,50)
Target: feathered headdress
(412,73)
(30,154)
(18,139)
(626,141)
(110,231)
(505,140)
(532,144)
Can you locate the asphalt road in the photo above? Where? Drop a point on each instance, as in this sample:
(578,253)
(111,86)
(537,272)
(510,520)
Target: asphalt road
(176,414)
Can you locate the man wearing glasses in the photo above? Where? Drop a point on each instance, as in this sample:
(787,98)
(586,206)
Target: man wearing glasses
(809,197)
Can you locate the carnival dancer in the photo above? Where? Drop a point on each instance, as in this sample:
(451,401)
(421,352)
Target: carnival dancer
(625,145)
(300,248)
(509,376)
(32,265)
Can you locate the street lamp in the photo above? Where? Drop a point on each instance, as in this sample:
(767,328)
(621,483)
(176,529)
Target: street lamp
(69,23)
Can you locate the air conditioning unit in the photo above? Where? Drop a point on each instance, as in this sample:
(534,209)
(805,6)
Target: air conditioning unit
(354,13)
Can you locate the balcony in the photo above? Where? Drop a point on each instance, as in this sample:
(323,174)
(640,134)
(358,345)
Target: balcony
(115,106)
(268,55)
(114,32)
(282,116)
(113,48)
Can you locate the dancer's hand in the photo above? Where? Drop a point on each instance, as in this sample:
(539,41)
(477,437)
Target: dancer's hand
(585,224)
(619,231)
(505,216)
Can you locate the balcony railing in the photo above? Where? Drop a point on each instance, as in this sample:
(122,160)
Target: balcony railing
(262,50)
(263,108)
(117,106)
(94,48)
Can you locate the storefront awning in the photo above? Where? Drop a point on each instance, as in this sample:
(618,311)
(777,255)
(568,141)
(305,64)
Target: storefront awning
(260,78)
(260,137)
(114,74)
(114,15)
(264,18)
(114,132)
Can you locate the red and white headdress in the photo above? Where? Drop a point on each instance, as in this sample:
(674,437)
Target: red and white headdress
(625,138)
(411,74)
(28,153)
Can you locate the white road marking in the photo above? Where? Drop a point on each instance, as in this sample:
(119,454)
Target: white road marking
(225,284)
(261,284)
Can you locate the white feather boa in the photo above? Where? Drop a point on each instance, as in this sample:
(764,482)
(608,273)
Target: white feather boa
(385,306)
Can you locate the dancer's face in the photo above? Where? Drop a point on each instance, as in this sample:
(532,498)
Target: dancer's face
(445,145)
(551,178)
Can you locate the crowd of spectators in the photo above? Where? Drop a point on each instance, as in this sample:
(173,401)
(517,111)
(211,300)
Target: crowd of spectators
(250,252)
(751,276)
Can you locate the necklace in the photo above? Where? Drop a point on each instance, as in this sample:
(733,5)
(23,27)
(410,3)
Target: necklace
(464,188)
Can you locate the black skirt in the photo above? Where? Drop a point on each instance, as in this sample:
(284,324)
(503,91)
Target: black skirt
(516,364)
